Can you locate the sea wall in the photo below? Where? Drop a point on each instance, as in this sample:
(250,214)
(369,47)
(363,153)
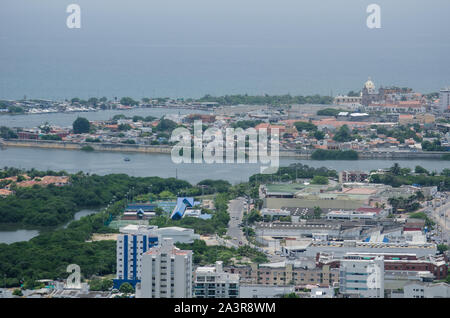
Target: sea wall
(77,146)
(299,154)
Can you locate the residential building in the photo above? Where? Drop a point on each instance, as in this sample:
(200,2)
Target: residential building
(213,282)
(352,176)
(132,242)
(444,97)
(166,272)
(286,273)
(362,276)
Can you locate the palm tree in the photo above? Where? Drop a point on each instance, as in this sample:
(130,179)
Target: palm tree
(395,169)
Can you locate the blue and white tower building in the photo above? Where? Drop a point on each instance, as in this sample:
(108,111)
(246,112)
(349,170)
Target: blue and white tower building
(132,242)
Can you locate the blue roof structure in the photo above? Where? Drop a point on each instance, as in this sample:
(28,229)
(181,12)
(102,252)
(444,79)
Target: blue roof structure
(180,208)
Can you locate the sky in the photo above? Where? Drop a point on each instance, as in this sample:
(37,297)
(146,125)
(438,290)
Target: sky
(188,48)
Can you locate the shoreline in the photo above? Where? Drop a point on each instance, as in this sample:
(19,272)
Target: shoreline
(195,108)
(158,149)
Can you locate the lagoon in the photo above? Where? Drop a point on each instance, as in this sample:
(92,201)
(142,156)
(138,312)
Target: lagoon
(9,236)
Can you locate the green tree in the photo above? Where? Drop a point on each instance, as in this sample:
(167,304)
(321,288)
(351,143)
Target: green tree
(301,125)
(100,284)
(442,248)
(321,154)
(319,180)
(126,288)
(93,101)
(319,135)
(124,127)
(128,101)
(166,195)
(81,125)
(329,112)
(420,169)
(343,134)
(7,133)
(166,125)
(395,169)
(317,212)
(253,217)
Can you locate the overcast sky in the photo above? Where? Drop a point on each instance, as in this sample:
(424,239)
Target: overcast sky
(171,38)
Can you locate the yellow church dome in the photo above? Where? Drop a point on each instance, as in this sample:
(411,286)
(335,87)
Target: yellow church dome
(369,85)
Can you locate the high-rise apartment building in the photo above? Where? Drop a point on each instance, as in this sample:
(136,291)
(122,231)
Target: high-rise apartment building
(444,98)
(166,272)
(132,242)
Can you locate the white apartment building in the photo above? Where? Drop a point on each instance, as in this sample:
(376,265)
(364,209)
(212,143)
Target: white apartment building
(132,242)
(444,98)
(213,282)
(166,272)
(362,276)
(426,290)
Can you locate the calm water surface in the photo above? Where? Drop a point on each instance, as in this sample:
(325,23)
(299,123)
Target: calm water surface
(20,235)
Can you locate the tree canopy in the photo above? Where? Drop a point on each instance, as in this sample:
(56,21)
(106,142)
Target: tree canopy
(81,126)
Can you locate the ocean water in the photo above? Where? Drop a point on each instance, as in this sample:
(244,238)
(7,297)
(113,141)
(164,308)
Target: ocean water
(182,48)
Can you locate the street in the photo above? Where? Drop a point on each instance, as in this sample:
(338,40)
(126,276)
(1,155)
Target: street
(236,210)
(441,217)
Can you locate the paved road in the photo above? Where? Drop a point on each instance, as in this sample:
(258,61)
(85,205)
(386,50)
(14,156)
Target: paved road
(236,210)
(443,221)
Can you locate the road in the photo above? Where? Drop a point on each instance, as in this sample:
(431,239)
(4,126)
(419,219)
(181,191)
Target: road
(236,210)
(442,217)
